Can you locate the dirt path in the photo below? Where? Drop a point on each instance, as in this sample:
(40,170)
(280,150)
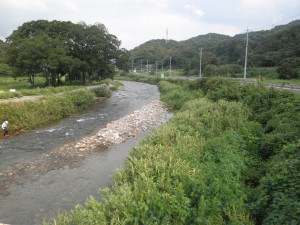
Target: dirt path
(23,98)
(35,97)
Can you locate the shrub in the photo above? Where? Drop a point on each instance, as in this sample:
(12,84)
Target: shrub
(102,92)
(289,68)
(175,95)
(279,202)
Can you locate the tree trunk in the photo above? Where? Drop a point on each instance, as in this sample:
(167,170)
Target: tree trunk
(31,79)
(83,78)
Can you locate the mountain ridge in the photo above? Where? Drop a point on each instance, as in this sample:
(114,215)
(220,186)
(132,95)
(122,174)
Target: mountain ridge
(267,48)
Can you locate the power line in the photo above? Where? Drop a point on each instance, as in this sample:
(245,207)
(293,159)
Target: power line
(167,36)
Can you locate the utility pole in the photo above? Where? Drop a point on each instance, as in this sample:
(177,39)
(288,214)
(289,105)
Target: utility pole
(167,37)
(132,64)
(200,74)
(156,68)
(170,66)
(147,67)
(245,68)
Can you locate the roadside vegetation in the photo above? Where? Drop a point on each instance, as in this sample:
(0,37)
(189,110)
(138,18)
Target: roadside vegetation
(266,76)
(230,155)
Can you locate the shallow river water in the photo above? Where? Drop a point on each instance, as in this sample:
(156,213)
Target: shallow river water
(29,202)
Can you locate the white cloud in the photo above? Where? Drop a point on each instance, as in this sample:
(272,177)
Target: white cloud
(194,9)
(137,21)
(19,5)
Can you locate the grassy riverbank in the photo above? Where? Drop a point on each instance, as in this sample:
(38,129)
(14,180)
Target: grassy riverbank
(50,106)
(228,156)
(16,88)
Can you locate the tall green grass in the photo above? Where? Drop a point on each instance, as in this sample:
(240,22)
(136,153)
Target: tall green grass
(23,88)
(102,92)
(176,95)
(26,115)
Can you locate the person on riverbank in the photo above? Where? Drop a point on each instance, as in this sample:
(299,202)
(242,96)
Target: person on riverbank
(5,130)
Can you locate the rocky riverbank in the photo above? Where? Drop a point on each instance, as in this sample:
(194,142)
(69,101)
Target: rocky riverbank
(119,130)
(69,155)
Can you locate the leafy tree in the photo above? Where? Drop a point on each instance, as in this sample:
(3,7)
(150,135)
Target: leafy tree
(2,48)
(211,70)
(230,69)
(280,188)
(290,68)
(122,61)
(56,49)
(4,68)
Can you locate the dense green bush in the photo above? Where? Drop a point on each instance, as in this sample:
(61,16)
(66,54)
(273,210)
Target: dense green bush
(102,92)
(289,68)
(176,95)
(279,201)
(230,70)
(262,72)
(278,112)
(5,70)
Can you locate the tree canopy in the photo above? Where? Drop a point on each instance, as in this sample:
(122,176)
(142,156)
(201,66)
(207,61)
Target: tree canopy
(59,49)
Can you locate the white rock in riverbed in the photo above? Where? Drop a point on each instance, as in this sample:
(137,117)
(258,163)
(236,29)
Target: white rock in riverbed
(119,130)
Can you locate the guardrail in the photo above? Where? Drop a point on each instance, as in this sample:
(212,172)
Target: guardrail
(280,86)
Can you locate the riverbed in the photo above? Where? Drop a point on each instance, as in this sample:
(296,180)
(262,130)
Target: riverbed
(33,189)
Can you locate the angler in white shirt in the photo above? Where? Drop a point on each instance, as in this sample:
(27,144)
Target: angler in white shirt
(5,130)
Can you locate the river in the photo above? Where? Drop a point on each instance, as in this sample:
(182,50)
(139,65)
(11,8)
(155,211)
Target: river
(28,202)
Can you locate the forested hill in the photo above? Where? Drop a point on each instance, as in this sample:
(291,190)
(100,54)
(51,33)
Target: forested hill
(209,40)
(2,47)
(267,48)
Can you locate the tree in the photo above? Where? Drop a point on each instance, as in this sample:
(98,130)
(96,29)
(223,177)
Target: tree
(230,69)
(122,60)
(37,48)
(290,68)
(55,49)
(211,70)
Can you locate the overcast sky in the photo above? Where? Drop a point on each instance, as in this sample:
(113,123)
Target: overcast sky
(137,21)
